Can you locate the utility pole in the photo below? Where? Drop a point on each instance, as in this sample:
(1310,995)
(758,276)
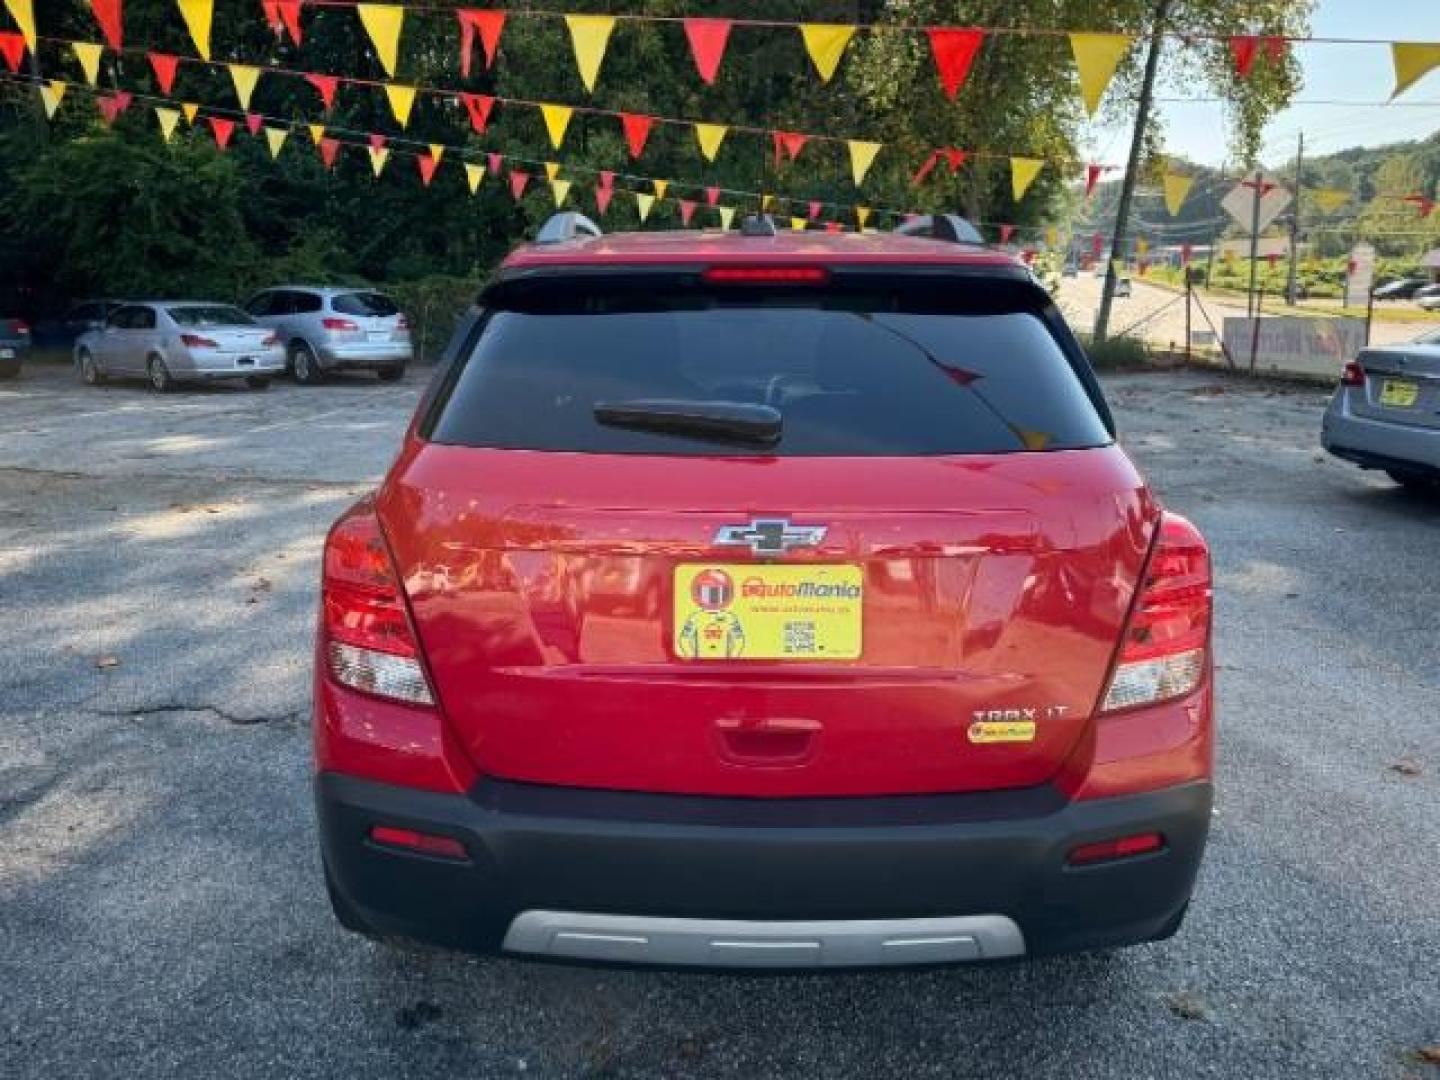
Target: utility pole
(1132,166)
(1252,310)
(1291,291)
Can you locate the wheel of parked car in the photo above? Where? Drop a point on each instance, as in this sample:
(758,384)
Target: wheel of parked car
(160,378)
(303,363)
(90,373)
(258,382)
(391,374)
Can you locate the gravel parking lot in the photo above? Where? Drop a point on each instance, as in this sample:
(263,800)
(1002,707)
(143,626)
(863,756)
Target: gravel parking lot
(161,906)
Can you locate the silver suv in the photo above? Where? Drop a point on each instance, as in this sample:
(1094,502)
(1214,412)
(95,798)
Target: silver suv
(331,329)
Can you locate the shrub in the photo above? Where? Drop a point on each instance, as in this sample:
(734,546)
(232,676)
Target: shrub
(434,304)
(1117,354)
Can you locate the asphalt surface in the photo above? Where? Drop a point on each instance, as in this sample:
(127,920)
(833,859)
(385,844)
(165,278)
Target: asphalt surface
(161,907)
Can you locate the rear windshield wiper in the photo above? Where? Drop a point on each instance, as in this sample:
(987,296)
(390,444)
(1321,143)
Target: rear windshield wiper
(730,421)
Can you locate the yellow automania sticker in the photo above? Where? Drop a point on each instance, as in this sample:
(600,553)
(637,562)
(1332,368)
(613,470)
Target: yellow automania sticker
(1000,731)
(748,611)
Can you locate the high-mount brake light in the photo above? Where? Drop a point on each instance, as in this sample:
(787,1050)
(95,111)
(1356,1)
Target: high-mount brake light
(368,641)
(1167,639)
(766,275)
(1353,374)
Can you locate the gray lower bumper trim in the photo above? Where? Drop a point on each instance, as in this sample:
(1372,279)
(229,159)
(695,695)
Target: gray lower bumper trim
(639,939)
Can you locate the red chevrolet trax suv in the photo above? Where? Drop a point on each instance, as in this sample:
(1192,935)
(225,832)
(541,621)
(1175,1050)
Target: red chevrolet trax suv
(755,600)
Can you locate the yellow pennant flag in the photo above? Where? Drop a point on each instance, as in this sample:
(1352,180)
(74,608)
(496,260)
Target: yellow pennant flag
(275,138)
(88,53)
(198,15)
(1142,247)
(590,34)
(727,216)
(23,12)
(561,190)
(710,136)
(825,42)
(402,100)
(862,156)
(191,110)
(1052,237)
(317,132)
(379,155)
(383,23)
(1413,61)
(1331,199)
(1097,56)
(767,203)
(552,170)
(52,93)
(437,151)
(475,175)
(862,215)
(168,119)
(1023,171)
(661,186)
(1177,187)
(557,119)
(797,224)
(643,203)
(244,76)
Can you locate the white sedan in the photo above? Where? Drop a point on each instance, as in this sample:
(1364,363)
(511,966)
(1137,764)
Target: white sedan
(170,342)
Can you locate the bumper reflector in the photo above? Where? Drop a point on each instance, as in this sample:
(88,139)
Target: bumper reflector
(1109,850)
(425,843)
(398,677)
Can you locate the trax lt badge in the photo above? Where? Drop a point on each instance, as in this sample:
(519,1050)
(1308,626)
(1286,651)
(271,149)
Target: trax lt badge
(770,536)
(1010,725)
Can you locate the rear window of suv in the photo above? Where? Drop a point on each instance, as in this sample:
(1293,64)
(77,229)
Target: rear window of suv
(364,304)
(958,368)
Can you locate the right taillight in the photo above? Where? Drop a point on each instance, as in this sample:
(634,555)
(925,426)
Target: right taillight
(1353,374)
(368,642)
(342,326)
(1163,653)
(195,341)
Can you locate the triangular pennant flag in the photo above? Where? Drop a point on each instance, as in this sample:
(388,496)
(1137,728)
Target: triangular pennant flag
(12,48)
(767,203)
(165,67)
(107,14)
(1097,56)
(708,38)
(329,148)
(191,111)
(474,176)
(1052,236)
(275,139)
(798,224)
(1023,172)
(954,53)
(862,156)
(23,12)
(1330,199)
(402,100)
(379,155)
(253,122)
(1142,246)
(788,144)
(637,131)
(427,164)
(1092,176)
(832,226)
(557,119)
(661,186)
(687,211)
(518,182)
(727,216)
(478,107)
(437,151)
(825,42)
(490,24)
(561,190)
(52,93)
(1177,187)
(325,85)
(111,106)
(168,119)
(1245,48)
(710,136)
(862,215)
(383,22)
(603,192)
(1185,252)
(317,132)
(198,15)
(712,196)
(643,203)
(1413,61)
(1006,231)
(492,162)
(283,15)
(552,170)
(88,53)
(222,129)
(590,35)
(244,76)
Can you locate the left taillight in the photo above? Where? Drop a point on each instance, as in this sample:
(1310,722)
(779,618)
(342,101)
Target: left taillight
(368,642)
(270,341)
(1167,640)
(1353,374)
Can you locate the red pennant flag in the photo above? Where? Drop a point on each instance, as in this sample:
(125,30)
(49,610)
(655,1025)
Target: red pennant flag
(1092,177)
(326,85)
(490,24)
(603,191)
(637,131)
(1423,204)
(478,106)
(814,209)
(712,196)
(222,129)
(687,210)
(954,53)
(518,182)
(283,15)
(1245,48)
(607,178)
(426,163)
(789,143)
(253,122)
(952,157)
(492,163)
(833,226)
(112,105)
(1006,231)
(165,67)
(1097,245)
(12,48)
(1184,254)
(328,149)
(107,14)
(708,38)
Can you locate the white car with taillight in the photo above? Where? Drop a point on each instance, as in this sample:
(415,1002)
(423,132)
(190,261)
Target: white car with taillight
(327,329)
(169,342)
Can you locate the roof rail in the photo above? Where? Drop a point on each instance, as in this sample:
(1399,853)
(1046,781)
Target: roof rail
(757,225)
(567,225)
(951,227)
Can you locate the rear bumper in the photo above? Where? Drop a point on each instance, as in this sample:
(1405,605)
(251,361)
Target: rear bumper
(570,874)
(271,362)
(364,355)
(1377,444)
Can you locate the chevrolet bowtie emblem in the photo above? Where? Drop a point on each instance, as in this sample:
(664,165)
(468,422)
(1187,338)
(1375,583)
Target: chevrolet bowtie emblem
(770,536)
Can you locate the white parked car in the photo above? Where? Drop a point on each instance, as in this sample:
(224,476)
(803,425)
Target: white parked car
(170,342)
(333,329)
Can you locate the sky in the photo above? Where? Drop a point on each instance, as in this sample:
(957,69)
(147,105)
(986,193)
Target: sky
(1333,72)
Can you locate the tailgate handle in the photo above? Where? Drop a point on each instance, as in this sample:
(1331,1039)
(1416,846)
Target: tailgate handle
(767,741)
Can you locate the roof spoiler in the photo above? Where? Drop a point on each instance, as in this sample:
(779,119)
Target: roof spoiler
(949,227)
(567,225)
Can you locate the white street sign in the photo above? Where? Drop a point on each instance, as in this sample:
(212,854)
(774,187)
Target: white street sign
(1239,202)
